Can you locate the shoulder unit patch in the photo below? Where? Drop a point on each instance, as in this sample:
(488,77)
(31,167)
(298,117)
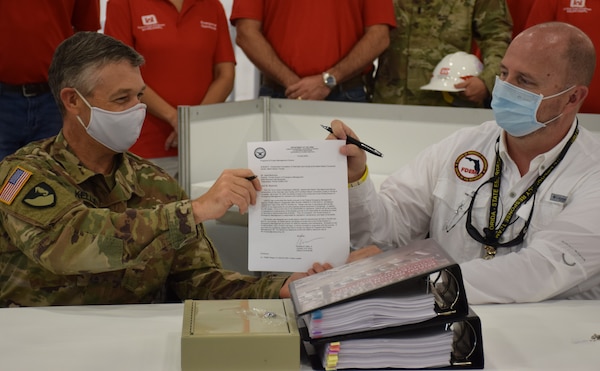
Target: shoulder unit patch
(42,195)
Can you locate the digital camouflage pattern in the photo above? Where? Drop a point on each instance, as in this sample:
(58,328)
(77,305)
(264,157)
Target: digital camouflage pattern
(427,31)
(73,237)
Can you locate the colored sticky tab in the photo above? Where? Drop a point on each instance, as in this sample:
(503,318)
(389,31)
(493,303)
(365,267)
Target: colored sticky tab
(334,347)
(332,358)
(317,314)
(16,181)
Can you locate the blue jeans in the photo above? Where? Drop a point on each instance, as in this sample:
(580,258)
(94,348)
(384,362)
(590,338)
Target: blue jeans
(356,94)
(26,119)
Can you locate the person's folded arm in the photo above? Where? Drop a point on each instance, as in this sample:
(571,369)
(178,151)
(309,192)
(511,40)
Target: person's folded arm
(222,84)
(260,52)
(373,42)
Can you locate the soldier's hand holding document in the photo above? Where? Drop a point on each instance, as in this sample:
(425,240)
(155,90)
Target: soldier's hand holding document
(301,214)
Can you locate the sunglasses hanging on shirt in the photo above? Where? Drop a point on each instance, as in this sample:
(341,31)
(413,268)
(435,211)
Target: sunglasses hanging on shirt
(490,238)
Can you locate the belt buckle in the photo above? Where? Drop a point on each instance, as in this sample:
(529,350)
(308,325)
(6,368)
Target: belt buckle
(25,92)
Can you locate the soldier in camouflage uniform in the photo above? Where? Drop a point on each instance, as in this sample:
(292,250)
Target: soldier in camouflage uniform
(429,30)
(83,224)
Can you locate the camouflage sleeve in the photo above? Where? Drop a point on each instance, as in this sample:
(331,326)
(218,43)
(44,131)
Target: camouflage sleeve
(492,31)
(56,226)
(66,236)
(197,274)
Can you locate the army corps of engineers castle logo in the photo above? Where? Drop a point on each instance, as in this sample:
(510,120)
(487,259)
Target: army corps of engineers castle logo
(150,22)
(577,6)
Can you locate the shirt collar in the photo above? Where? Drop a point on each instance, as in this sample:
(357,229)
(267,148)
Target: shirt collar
(541,161)
(125,178)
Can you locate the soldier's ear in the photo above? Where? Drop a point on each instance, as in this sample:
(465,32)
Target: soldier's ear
(71,101)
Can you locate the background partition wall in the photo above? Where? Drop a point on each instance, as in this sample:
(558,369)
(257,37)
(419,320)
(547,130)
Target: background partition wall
(214,137)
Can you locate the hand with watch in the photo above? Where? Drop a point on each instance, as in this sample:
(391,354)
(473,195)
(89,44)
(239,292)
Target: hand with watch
(329,80)
(313,87)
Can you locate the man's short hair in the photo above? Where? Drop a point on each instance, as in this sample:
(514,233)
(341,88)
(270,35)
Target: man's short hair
(77,58)
(576,49)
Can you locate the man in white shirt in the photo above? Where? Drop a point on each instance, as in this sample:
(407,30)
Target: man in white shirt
(515,201)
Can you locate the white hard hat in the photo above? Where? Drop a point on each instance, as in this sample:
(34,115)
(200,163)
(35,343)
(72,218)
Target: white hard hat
(454,68)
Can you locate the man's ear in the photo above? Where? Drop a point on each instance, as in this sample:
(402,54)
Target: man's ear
(577,95)
(71,100)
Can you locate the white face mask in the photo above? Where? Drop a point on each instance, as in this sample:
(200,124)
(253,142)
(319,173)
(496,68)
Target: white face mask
(117,131)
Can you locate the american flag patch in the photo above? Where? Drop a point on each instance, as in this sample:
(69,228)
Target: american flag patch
(14,184)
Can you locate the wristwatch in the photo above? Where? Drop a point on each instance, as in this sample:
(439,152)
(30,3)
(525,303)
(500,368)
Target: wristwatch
(329,80)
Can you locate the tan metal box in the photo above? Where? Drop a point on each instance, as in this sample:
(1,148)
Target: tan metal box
(253,334)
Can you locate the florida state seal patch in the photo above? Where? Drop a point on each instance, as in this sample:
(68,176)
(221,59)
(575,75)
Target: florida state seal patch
(470,166)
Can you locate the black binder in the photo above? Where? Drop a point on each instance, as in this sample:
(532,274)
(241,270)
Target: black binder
(422,263)
(467,344)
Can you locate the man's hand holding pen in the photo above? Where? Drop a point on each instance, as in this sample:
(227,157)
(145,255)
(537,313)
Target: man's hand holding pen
(233,187)
(356,142)
(357,158)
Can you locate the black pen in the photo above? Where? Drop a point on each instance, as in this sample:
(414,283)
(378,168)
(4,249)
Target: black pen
(251,178)
(357,142)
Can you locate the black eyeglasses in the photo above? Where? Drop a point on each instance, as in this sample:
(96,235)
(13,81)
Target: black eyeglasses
(490,237)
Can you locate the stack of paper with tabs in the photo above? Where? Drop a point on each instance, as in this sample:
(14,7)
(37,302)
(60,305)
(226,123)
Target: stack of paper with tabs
(396,306)
(453,345)
(415,349)
(404,308)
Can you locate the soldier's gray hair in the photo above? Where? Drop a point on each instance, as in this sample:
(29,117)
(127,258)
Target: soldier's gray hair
(77,58)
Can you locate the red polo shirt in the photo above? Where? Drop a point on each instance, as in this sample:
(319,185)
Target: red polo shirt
(583,14)
(180,49)
(311,36)
(30,30)
(519,11)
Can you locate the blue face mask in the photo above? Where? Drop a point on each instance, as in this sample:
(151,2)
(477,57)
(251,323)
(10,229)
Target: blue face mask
(515,109)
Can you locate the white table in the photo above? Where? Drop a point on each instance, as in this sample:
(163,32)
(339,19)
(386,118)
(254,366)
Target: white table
(543,336)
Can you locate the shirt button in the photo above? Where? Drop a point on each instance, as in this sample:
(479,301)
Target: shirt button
(512,194)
